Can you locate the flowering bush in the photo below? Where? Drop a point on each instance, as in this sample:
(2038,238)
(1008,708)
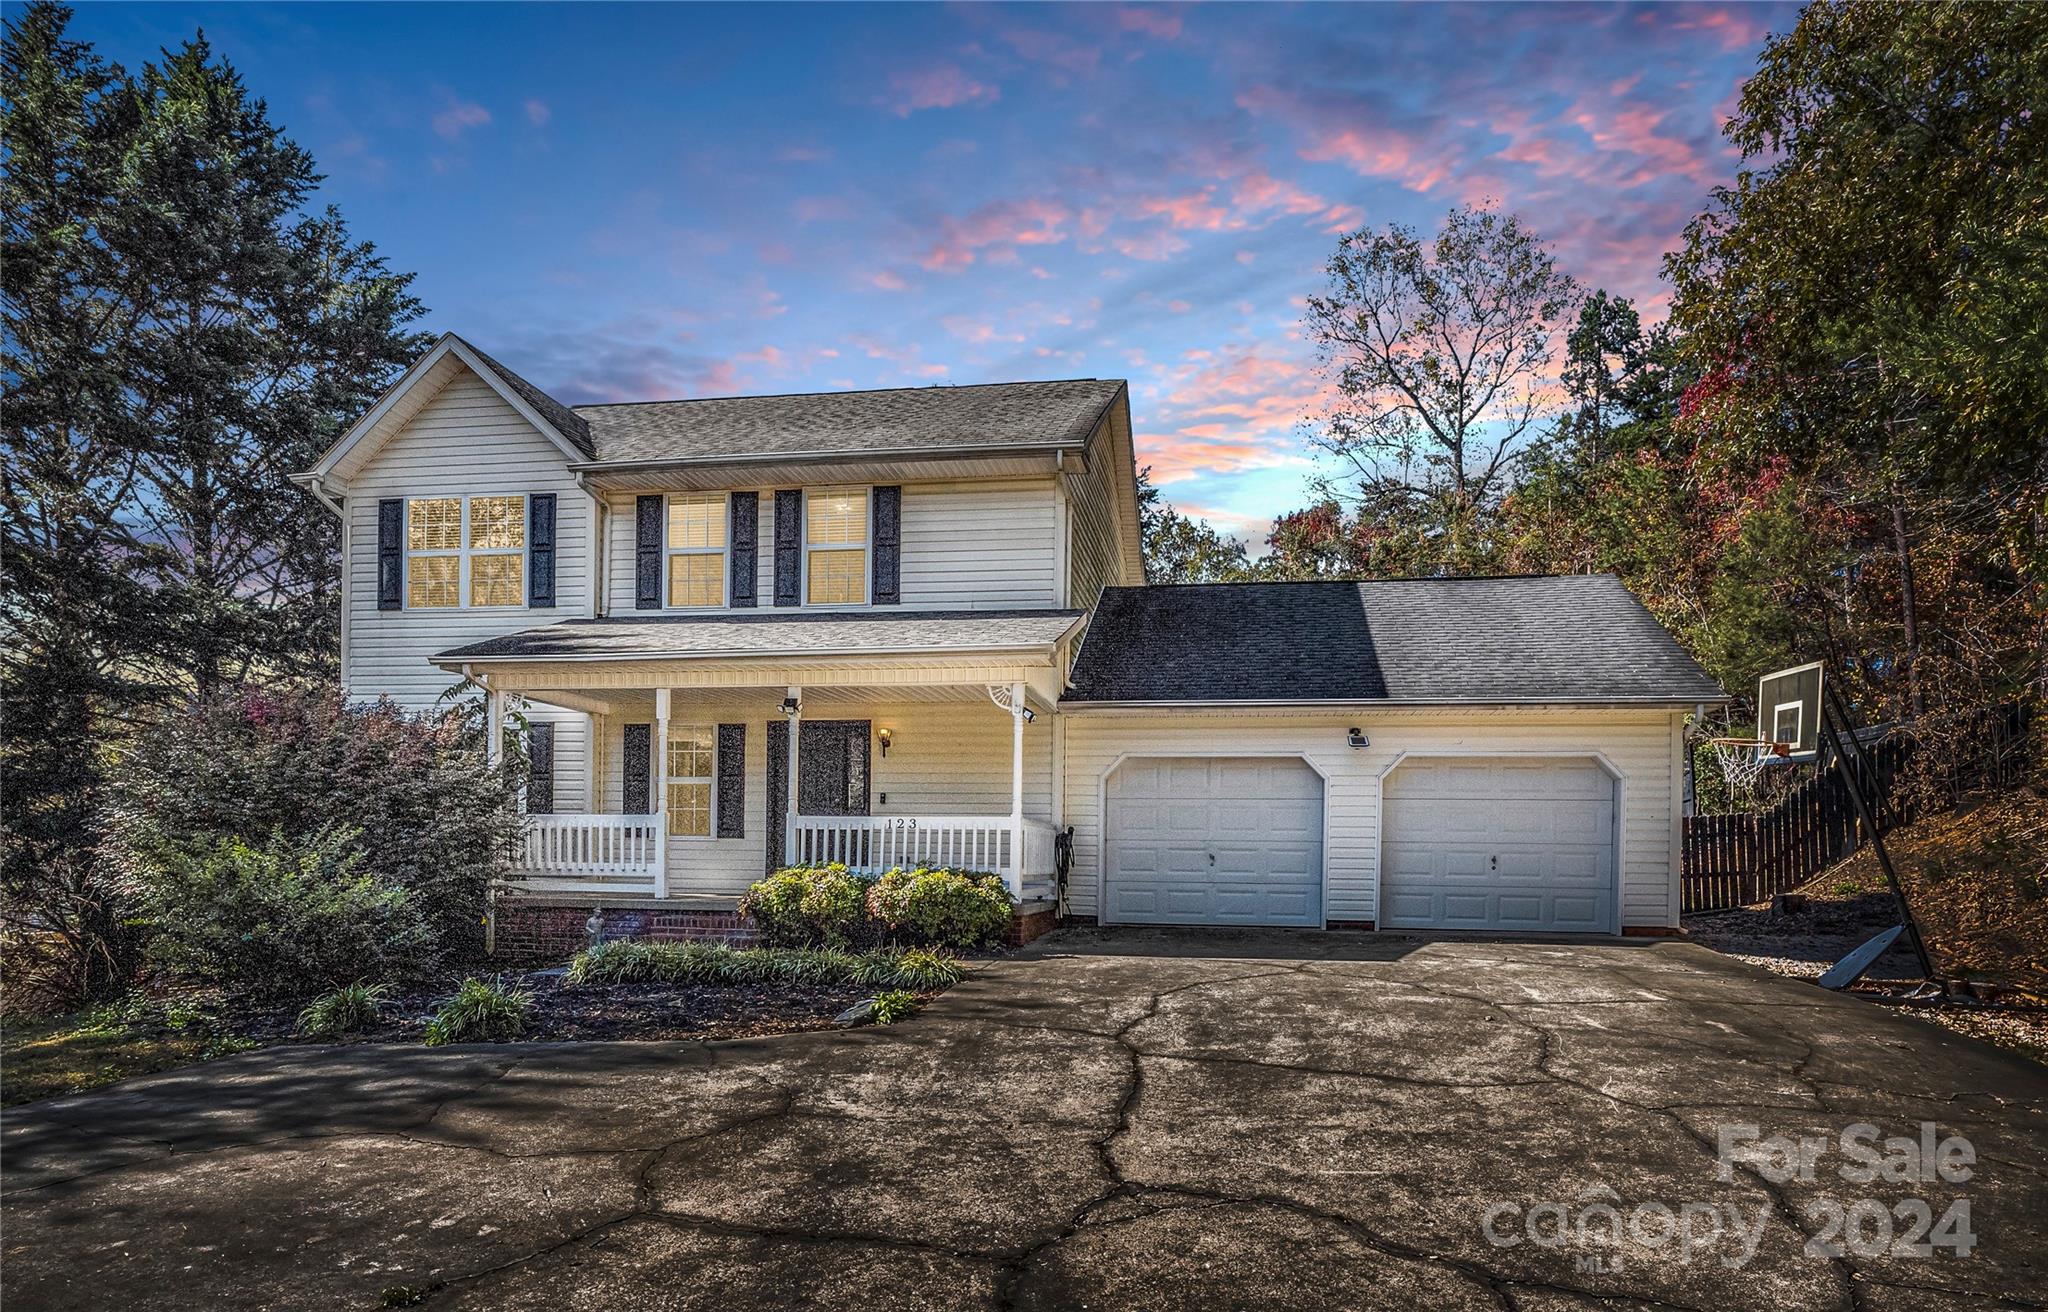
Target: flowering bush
(425,813)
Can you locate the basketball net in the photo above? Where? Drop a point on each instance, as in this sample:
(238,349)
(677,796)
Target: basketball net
(1743,760)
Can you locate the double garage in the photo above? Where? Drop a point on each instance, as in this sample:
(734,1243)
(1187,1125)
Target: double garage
(1508,843)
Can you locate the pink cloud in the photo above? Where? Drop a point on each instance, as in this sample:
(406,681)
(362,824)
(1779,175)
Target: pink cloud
(459,117)
(999,225)
(538,113)
(1152,20)
(1195,211)
(943,86)
(888,281)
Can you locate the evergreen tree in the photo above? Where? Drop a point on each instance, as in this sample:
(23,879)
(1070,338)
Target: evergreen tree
(177,335)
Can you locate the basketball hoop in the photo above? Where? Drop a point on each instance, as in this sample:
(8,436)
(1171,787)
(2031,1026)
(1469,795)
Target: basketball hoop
(1743,760)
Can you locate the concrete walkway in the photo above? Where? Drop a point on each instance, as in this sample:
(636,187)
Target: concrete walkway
(1112,1119)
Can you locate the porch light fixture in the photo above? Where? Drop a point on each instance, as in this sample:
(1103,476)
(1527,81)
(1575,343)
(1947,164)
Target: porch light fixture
(1357,738)
(790,706)
(883,736)
(1029,715)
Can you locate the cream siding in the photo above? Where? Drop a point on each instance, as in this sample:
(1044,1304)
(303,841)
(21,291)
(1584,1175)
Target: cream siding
(1637,745)
(948,758)
(965,546)
(1093,556)
(465,441)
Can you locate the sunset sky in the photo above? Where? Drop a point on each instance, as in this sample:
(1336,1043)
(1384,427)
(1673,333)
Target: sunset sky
(631,202)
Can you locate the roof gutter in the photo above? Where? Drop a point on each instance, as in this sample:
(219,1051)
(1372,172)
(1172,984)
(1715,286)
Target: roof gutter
(777,457)
(312,482)
(1355,703)
(1045,649)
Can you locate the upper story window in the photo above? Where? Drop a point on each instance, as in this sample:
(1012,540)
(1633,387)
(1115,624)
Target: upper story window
(465,551)
(836,545)
(696,549)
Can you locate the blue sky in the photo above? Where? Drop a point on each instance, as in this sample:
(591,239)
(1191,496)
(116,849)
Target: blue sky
(635,201)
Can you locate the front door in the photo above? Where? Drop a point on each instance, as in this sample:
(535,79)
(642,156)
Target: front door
(832,780)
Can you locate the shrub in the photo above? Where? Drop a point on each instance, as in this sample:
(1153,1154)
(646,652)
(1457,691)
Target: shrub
(350,1009)
(674,963)
(894,1005)
(434,819)
(805,905)
(926,971)
(283,919)
(482,1011)
(951,908)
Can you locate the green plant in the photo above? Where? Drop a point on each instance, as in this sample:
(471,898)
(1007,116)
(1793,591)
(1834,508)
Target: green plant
(926,971)
(283,919)
(805,905)
(949,908)
(634,963)
(412,791)
(482,1011)
(894,1004)
(350,1009)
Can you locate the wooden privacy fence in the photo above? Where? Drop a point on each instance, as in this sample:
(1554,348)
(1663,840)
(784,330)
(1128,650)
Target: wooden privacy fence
(1730,860)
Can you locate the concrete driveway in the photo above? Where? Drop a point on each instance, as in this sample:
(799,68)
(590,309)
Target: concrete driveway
(1112,1119)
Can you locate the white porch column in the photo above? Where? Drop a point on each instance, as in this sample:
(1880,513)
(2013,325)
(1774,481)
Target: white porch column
(1015,868)
(494,726)
(795,711)
(659,775)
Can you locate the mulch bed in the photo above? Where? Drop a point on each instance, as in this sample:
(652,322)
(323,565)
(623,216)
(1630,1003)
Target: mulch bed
(618,1011)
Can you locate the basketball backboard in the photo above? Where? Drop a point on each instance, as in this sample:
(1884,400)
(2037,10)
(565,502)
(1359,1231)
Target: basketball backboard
(1788,711)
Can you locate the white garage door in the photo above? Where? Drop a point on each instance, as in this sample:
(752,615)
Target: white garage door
(1233,841)
(1495,843)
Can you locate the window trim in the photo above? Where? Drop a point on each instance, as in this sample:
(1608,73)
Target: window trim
(723,551)
(866,547)
(464,552)
(710,782)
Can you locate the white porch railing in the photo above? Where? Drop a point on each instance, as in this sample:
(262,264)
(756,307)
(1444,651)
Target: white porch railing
(591,853)
(869,844)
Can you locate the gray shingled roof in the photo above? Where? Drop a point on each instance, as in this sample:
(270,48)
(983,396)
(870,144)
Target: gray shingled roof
(624,637)
(852,423)
(1570,638)
(566,421)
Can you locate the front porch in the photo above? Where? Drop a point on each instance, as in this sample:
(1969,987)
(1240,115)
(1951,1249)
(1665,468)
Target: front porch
(689,792)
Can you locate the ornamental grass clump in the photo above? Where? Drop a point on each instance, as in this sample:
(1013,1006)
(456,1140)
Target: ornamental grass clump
(482,1011)
(350,1009)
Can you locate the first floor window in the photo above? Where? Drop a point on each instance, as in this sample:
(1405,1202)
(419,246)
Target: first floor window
(836,540)
(692,750)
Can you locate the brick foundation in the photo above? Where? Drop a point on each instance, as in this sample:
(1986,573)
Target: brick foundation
(1028,925)
(536,932)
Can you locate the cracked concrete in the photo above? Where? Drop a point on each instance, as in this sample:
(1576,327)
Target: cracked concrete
(1117,1119)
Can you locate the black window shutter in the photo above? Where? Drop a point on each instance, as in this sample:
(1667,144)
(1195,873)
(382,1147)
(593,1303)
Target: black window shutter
(540,549)
(732,781)
(789,527)
(639,764)
(746,550)
(778,789)
(887,551)
(647,553)
(390,555)
(540,779)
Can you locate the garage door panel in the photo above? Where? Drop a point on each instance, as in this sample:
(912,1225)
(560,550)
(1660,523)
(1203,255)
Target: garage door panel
(1225,841)
(1498,843)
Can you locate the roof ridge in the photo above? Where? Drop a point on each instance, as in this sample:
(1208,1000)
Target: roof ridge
(1392,578)
(842,391)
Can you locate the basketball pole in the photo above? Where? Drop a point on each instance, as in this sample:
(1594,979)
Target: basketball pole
(1832,722)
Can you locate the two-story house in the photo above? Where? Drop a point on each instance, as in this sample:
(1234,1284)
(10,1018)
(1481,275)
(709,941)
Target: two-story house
(912,626)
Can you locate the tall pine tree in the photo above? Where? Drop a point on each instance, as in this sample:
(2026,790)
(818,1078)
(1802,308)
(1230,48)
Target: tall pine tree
(179,332)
